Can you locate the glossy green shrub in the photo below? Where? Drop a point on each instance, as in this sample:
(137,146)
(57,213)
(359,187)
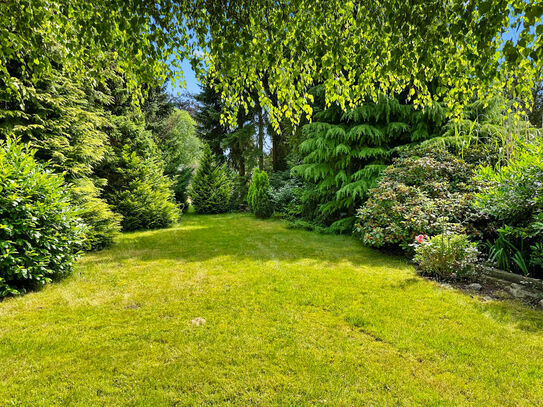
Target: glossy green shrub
(446,255)
(513,195)
(40,233)
(259,195)
(211,189)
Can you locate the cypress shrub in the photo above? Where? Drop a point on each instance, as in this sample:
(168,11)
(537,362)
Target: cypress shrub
(145,199)
(103,224)
(259,195)
(211,189)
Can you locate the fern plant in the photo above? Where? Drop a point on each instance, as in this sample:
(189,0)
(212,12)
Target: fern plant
(345,152)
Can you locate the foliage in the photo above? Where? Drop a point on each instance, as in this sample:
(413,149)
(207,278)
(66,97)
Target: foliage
(240,189)
(175,136)
(136,186)
(210,129)
(355,51)
(128,131)
(40,233)
(446,255)
(210,189)
(535,114)
(428,47)
(180,187)
(513,194)
(426,191)
(285,192)
(102,223)
(259,195)
(57,116)
(345,154)
(236,146)
(144,197)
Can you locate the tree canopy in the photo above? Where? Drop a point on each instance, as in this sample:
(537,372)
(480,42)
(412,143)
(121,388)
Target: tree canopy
(447,51)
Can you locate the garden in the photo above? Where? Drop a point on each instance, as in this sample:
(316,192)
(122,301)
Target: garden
(347,208)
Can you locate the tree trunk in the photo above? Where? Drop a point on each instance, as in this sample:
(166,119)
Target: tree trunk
(260,140)
(279,149)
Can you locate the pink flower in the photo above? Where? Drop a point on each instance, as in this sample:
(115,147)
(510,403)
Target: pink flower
(419,238)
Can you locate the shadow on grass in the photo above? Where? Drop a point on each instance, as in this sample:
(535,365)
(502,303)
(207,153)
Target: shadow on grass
(200,238)
(204,237)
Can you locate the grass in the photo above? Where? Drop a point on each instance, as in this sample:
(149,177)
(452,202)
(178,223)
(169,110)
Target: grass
(292,318)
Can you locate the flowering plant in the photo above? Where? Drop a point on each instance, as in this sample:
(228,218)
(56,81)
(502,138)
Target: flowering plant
(446,255)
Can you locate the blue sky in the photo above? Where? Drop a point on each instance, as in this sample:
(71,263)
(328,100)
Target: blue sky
(190,78)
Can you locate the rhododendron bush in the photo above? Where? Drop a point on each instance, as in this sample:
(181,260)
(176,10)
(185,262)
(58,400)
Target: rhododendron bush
(425,192)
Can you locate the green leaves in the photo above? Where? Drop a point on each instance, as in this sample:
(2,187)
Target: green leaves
(280,49)
(40,233)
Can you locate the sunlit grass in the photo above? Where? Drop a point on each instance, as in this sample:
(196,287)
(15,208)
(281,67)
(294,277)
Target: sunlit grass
(292,318)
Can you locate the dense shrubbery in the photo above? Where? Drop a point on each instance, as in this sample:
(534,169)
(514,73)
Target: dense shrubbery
(446,255)
(285,192)
(344,154)
(175,136)
(426,191)
(144,197)
(40,233)
(513,195)
(240,188)
(259,195)
(211,189)
(136,185)
(102,223)
(181,182)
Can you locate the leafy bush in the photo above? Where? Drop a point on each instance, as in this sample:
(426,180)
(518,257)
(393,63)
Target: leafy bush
(144,197)
(40,233)
(102,223)
(513,195)
(285,193)
(344,153)
(426,190)
(211,189)
(446,255)
(259,195)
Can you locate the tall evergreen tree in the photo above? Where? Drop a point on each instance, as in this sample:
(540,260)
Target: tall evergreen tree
(211,189)
(345,152)
(241,147)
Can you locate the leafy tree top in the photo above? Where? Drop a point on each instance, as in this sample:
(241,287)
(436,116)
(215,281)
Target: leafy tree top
(440,50)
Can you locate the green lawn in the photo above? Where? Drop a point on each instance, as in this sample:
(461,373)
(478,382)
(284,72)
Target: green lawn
(292,318)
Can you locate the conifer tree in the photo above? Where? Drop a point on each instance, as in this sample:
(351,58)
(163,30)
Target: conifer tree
(259,195)
(344,153)
(211,189)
